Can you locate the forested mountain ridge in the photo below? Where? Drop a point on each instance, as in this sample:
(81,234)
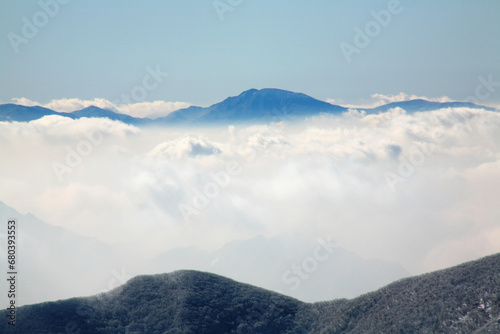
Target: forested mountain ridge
(462,299)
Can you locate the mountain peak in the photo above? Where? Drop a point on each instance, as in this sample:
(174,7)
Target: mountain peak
(251,106)
(92,107)
(419,105)
(268,104)
(96,112)
(273,92)
(249,91)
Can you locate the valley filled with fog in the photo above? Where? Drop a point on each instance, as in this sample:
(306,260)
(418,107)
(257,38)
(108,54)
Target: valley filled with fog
(394,194)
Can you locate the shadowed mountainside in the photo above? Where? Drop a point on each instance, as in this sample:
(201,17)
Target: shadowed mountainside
(462,299)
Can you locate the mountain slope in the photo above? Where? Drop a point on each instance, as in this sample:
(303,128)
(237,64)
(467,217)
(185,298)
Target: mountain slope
(343,275)
(462,299)
(18,113)
(52,258)
(95,112)
(255,105)
(419,105)
(180,302)
(267,263)
(251,106)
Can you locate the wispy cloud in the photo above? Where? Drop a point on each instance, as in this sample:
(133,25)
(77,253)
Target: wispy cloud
(381,99)
(153,109)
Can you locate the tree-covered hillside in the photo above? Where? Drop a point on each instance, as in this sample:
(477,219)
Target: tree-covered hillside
(462,299)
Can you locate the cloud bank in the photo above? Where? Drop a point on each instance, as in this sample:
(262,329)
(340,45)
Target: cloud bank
(153,109)
(381,99)
(420,190)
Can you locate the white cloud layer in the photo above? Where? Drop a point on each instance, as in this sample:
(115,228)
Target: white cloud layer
(418,189)
(141,109)
(381,99)
(405,97)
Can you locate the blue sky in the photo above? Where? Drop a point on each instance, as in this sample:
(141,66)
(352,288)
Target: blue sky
(101,49)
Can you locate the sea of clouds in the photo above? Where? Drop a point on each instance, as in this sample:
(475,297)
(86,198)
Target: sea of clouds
(420,190)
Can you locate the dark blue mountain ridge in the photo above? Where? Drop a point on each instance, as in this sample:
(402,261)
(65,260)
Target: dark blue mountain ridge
(96,112)
(419,105)
(251,106)
(255,105)
(18,113)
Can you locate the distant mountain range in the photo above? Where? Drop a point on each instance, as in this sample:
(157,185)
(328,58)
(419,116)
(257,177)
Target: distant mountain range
(266,262)
(95,112)
(259,261)
(254,105)
(19,113)
(251,106)
(462,299)
(40,241)
(419,105)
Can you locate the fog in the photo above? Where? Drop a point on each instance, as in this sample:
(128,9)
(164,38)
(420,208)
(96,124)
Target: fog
(417,190)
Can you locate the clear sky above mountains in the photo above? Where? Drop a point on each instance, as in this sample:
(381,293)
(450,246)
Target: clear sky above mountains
(214,49)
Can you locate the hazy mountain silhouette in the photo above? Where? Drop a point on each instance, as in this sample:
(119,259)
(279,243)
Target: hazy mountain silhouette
(53,258)
(266,262)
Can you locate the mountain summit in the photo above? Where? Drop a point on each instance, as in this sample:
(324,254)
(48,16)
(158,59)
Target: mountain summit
(255,105)
(420,105)
(251,106)
(17,113)
(95,112)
